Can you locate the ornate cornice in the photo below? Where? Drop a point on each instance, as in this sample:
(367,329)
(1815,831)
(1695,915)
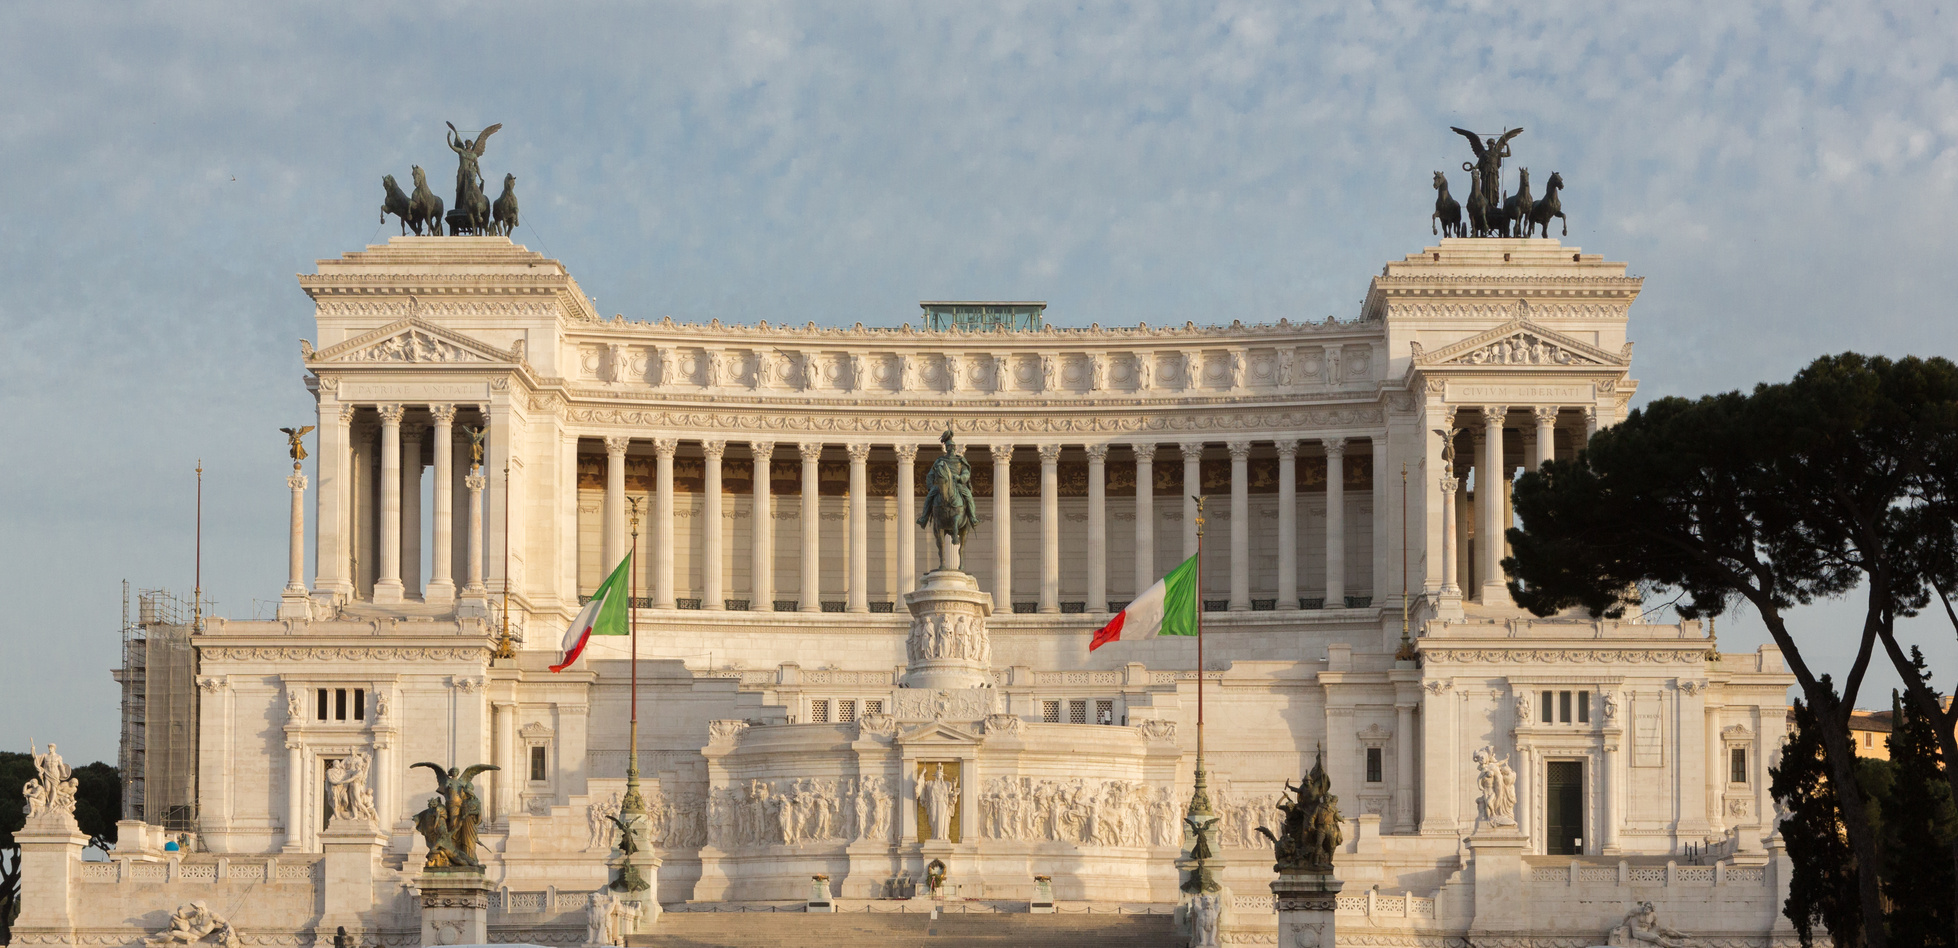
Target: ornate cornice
(238,653)
(1514,655)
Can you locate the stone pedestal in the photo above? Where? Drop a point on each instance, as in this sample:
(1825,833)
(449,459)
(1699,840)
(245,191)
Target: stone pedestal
(353,851)
(644,865)
(1306,902)
(455,907)
(1497,865)
(949,647)
(50,851)
(1043,896)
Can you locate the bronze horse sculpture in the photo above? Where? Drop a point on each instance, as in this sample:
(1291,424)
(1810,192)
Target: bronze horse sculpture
(1516,210)
(1448,211)
(396,203)
(1548,208)
(424,207)
(504,219)
(1478,209)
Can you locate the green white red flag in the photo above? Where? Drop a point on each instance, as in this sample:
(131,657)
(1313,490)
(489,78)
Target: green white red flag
(1168,608)
(605,614)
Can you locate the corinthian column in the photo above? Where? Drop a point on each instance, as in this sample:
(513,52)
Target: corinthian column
(1449,587)
(1288,523)
(713,591)
(859,592)
(1489,480)
(294,604)
(442,581)
(1050,528)
(762,546)
(812,525)
(474,589)
(411,513)
(1003,527)
(1240,600)
(387,586)
(907,516)
(1145,516)
(1546,434)
(614,550)
(1097,527)
(1192,486)
(663,449)
(1335,523)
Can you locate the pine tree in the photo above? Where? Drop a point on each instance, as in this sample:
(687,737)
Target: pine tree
(1919,829)
(1823,887)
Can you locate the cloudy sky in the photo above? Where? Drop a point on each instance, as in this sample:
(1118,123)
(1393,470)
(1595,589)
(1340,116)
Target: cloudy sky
(1783,176)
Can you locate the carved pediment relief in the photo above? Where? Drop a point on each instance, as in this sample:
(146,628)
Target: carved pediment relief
(1522,342)
(937,732)
(413,340)
(536,732)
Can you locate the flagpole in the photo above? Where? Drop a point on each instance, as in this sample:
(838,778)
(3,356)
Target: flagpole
(1406,652)
(197,582)
(504,648)
(1200,818)
(633,802)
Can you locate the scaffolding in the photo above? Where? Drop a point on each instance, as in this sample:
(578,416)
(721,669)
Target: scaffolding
(158,756)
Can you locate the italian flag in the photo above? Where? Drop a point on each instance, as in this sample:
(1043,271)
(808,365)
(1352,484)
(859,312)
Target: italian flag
(1168,608)
(603,615)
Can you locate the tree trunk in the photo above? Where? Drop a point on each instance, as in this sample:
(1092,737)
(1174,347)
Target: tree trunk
(1855,815)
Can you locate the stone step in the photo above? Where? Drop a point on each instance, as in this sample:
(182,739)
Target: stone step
(864,930)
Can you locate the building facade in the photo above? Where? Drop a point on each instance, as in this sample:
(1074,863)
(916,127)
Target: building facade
(767,478)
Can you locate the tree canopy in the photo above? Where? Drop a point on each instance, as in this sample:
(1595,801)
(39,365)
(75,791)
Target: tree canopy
(1845,476)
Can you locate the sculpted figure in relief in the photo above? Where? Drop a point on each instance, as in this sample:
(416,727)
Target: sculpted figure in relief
(598,816)
(1145,371)
(348,793)
(1498,784)
(192,924)
(951,364)
(1642,927)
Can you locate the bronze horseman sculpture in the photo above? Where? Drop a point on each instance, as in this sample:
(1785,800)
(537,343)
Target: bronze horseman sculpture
(449,823)
(949,510)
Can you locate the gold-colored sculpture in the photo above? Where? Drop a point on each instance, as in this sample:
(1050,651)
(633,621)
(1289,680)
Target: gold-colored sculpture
(296,444)
(476,437)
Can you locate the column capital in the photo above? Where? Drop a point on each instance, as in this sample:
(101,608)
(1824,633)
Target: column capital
(1494,415)
(1546,414)
(1449,484)
(1240,450)
(859,451)
(1192,450)
(811,450)
(713,449)
(1144,450)
(1097,453)
(1001,452)
(1049,453)
(762,450)
(443,414)
(475,482)
(615,445)
(1286,447)
(347,413)
(296,481)
(664,447)
(905,452)
(1335,447)
(390,414)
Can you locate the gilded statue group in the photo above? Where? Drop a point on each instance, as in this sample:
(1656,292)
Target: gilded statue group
(1490,212)
(449,822)
(473,214)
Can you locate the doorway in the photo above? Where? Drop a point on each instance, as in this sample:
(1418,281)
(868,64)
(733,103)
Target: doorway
(1564,805)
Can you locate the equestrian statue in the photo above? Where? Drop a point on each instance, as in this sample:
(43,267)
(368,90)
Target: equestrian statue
(950,510)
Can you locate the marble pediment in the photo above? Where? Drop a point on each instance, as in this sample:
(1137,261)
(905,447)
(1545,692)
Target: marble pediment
(410,341)
(1522,342)
(937,732)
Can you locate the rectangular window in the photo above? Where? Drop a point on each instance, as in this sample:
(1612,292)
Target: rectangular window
(1548,708)
(322,704)
(1077,711)
(1050,712)
(339,704)
(873,706)
(1737,765)
(1583,707)
(846,710)
(1563,707)
(1104,711)
(360,704)
(539,768)
(1373,765)
(819,711)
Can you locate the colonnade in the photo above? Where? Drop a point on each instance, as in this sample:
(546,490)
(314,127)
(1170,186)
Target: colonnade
(392,495)
(1477,573)
(661,535)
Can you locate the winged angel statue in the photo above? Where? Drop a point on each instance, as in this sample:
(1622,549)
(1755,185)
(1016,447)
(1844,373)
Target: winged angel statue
(449,823)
